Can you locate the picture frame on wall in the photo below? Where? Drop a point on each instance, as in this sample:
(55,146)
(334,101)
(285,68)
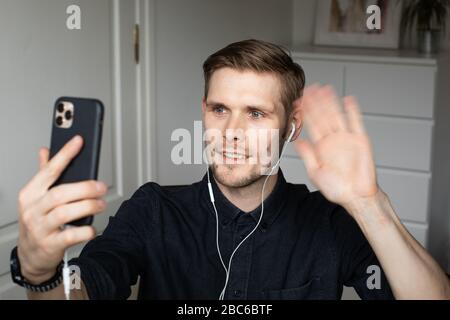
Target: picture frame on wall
(344,23)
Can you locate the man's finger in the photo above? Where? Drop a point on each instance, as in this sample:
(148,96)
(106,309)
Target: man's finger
(306,152)
(43,157)
(322,112)
(311,114)
(72,236)
(73,211)
(53,168)
(355,122)
(70,192)
(332,110)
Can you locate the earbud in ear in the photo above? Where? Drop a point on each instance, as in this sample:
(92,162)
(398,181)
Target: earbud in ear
(291,134)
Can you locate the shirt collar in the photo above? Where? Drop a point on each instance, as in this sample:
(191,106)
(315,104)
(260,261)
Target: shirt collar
(228,212)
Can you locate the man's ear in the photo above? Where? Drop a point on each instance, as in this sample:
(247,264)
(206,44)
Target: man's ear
(203,108)
(296,117)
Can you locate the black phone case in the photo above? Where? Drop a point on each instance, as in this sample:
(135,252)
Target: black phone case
(88,123)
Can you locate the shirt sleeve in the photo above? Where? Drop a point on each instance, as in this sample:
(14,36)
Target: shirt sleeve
(110,263)
(359,266)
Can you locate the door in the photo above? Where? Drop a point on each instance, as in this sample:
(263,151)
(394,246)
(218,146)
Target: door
(42,59)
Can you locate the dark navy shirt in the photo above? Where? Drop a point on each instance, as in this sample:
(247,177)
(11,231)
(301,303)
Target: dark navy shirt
(305,248)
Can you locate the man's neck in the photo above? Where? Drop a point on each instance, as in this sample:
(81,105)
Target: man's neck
(248,198)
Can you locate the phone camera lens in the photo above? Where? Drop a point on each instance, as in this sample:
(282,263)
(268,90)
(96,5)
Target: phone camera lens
(59,121)
(61,107)
(68,115)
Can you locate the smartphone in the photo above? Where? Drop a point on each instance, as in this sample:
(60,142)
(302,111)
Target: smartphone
(78,116)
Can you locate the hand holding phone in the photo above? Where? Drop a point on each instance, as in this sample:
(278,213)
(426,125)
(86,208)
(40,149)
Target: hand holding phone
(59,194)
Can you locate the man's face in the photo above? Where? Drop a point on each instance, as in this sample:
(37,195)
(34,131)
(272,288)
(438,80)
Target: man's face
(243,108)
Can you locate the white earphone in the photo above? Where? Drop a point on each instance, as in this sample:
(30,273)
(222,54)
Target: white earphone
(211,196)
(291,134)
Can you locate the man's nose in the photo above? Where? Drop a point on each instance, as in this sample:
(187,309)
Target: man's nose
(235,130)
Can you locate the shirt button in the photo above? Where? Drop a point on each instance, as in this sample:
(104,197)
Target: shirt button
(237,293)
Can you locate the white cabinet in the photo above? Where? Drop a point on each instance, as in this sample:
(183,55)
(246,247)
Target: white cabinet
(324,72)
(392,89)
(405,103)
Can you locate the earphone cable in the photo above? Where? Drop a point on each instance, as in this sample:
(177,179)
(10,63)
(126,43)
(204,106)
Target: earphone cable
(227,270)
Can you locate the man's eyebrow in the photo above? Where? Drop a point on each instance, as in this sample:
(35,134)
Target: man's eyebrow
(262,107)
(214,103)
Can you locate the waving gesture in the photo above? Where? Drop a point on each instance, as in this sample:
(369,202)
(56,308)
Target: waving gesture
(338,157)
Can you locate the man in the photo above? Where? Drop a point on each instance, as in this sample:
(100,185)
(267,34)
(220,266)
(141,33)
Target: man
(307,245)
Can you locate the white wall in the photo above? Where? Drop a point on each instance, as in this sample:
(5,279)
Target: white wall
(303,22)
(187,32)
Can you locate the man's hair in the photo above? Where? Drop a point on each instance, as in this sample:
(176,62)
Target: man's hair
(261,57)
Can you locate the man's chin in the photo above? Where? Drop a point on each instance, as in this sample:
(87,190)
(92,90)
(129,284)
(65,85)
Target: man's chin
(235,175)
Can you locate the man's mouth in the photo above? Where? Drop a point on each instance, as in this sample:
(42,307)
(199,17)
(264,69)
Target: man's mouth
(234,156)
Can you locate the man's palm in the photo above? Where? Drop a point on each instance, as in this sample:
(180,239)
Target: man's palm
(339,157)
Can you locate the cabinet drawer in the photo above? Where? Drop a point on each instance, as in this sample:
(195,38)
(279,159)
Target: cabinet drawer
(397,143)
(418,231)
(399,90)
(408,191)
(400,143)
(324,72)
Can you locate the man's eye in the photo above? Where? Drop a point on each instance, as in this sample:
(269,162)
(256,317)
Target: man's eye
(219,110)
(256,114)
